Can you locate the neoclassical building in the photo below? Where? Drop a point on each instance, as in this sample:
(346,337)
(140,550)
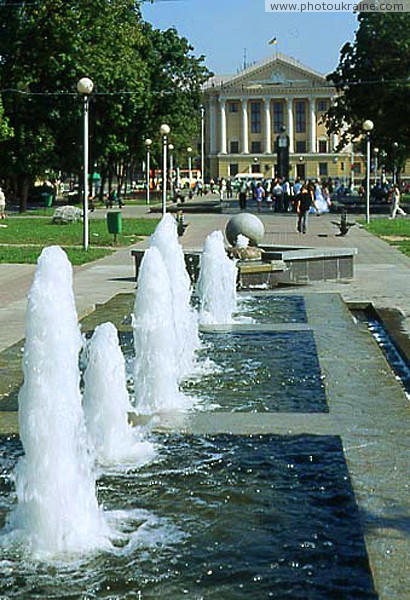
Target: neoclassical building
(246,112)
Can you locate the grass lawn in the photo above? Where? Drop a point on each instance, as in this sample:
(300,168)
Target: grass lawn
(394,231)
(23,238)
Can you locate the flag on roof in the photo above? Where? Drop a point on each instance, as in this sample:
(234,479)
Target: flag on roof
(273,41)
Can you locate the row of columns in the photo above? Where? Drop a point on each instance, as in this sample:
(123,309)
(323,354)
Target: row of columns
(268,126)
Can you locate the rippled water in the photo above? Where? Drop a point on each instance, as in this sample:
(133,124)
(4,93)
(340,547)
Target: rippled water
(276,371)
(274,308)
(219,518)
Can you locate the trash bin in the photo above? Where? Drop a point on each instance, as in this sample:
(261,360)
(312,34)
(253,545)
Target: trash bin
(48,199)
(114,223)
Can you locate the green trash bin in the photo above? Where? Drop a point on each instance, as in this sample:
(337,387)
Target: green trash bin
(48,199)
(114,223)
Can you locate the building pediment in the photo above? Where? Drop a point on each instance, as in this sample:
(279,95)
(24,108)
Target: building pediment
(276,71)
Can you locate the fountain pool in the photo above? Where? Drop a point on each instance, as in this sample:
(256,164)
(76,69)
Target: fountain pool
(230,517)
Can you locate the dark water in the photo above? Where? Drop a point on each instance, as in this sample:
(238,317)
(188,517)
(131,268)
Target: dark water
(397,363)
(275,371)
(272,308)
(225,518)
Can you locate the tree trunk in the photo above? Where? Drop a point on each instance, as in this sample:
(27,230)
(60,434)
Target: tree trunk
(24,185)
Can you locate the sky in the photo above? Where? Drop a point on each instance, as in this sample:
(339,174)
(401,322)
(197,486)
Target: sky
(225,31)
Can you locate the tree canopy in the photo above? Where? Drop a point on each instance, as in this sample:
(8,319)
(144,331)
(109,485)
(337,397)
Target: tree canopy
(142,77)
(373,79)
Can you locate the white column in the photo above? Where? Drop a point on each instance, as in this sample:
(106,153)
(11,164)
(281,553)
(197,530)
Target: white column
(245,126)
(289,103)
(212,127)
(222,105)
(268,127)
(312,103)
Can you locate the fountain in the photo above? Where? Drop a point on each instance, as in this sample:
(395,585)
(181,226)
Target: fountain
(165,239)
(57,511)
(216,283)
(280,479)
(106,403)
(157,349)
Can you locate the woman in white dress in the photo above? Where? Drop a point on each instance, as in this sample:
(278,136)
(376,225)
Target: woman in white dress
(320,201)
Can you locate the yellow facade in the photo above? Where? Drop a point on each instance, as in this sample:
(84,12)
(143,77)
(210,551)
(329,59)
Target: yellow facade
(247,112)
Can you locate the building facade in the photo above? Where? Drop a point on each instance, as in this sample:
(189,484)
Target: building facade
(246,113)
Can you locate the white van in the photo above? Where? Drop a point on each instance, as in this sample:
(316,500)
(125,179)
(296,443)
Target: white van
(239,177)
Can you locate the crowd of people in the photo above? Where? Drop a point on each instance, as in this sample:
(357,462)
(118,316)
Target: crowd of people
(281,196)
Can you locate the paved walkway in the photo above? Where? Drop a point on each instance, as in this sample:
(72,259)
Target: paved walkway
(382,274)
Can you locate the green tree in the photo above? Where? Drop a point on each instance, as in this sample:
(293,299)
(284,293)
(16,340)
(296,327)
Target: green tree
(5,130)
(45,48)
(176,80)
(373,81)
(142,76)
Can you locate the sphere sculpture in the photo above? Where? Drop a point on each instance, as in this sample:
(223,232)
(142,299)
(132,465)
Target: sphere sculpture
(247,225)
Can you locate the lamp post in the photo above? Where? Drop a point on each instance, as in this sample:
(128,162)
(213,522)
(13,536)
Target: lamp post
(376,164)
(189,150)
(202,109)
(171,167)
(85,87)
(368,126)
(148,143)
(164,130)
(395,147)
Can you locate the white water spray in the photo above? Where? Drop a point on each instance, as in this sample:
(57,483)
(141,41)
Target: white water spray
(57,511)
(165,239)
(106,403)
(156,348)
(216,282)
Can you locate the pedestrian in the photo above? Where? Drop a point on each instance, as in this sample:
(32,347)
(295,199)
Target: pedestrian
(395,199)
(269,199)
(304,202)
(286,192)
(243,195)
(2,204)
(259,195)
(277,194)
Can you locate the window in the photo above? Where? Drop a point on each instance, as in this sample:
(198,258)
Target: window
(256,168)
(233,169)
(300,146)
(357,168)
(256,117)
(277,117)
(323,146)
(234,147)
(323,169)
(256,147)
(301,171)
(300,108)
(322,105)
(233,107)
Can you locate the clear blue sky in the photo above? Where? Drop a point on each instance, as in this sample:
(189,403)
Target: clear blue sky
(223,29)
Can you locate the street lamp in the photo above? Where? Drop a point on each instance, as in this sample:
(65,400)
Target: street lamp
(85,87)
(202,109)
(376,163)
(395,147)
(164,130)
(368,126)
(148,143)
(189,150)
(171,166)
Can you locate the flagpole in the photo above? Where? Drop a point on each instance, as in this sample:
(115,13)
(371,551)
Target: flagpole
(274,42)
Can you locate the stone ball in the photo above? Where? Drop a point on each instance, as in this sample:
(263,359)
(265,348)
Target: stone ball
(246,224)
